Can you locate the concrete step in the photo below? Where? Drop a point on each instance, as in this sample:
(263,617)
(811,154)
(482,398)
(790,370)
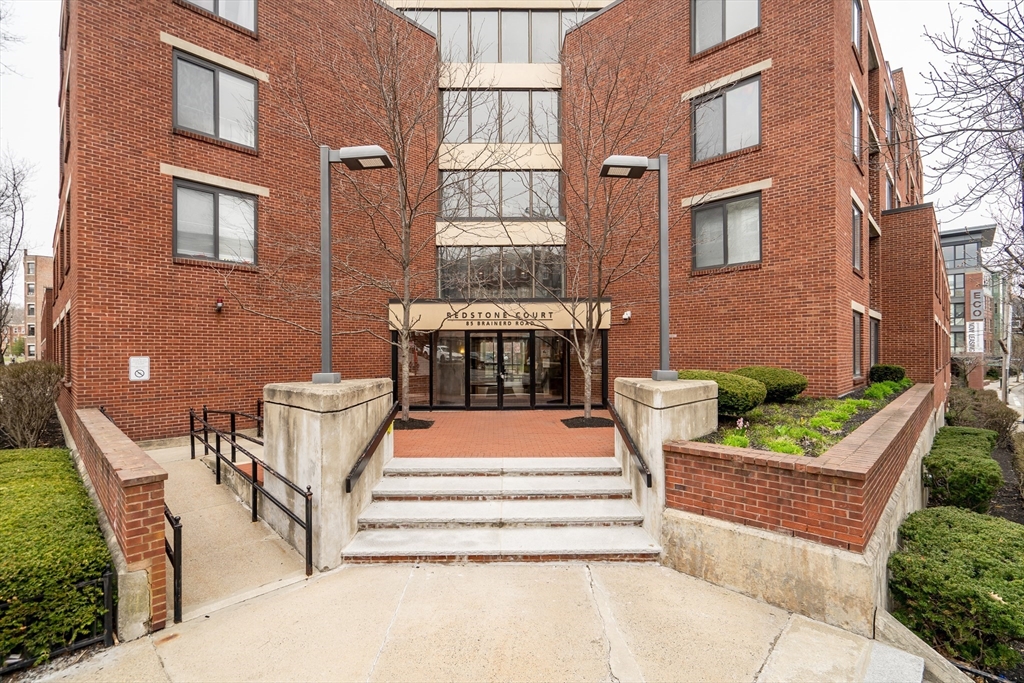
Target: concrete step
(499,513)
(508,544)
(477,487)
(455,467)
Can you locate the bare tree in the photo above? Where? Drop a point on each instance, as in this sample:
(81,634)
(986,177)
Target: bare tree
(7,36)
(973,122)
(13,179)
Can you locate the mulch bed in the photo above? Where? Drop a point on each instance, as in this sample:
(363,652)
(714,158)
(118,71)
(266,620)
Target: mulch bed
(413,423)
(584,423)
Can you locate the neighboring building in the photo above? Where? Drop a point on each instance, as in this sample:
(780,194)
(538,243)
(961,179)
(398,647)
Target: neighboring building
(38,272)
(972,315)
(189,177)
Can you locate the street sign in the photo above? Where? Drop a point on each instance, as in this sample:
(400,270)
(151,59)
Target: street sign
(977,305)
(138,368)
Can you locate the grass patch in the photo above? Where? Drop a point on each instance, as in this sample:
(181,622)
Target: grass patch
(50,540)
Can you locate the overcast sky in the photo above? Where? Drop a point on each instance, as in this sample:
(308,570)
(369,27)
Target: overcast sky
(28,99)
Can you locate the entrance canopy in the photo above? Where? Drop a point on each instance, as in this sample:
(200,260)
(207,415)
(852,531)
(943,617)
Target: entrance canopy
(513,315)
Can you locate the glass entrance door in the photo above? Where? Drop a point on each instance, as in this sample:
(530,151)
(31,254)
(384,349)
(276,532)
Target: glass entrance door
(484,370)
(500,370)
(516,370)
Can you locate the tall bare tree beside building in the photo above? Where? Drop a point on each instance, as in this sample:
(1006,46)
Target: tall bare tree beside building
(13,178)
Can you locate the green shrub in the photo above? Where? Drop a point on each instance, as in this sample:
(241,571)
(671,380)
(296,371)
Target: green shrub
(736,441)
(886,373)
(994,373)
(49,541)
(833,415)
(859,403)
(736,394)
(784,445)
(879,391)
(960,468)
(781,385)
(29,391)
(982,409)
(958,583)
(905,383)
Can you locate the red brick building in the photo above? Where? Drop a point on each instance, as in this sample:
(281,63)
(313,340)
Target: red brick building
(189,215)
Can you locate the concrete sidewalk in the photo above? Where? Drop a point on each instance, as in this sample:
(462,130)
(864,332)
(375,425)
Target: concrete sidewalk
(523,622)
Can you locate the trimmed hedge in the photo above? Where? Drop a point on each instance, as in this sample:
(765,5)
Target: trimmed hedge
(958,583)
(886,373)
(780,384)
(961,470)
(50,540)
(736,394)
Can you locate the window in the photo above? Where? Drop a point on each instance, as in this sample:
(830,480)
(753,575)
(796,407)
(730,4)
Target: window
(856,128)
(31,352)
(501,194)
(956,315)
(727,233)
(858,323)
(888,120)
(214,101)
(961,255)
(31,330)
(30,309)
(241,12)
(211,223)
(30,267)
(889,192)
(856,24)
(956,285)
(490,36)
(876,330)
(512,116)
(958,342)
(30,288)
(727,121)
(716,21)
(858,236)
(500,272)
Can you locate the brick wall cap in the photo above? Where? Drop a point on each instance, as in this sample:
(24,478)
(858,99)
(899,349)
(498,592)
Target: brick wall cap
(131,464)
(661,395)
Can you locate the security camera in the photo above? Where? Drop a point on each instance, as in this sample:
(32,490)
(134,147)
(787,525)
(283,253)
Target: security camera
(627,316)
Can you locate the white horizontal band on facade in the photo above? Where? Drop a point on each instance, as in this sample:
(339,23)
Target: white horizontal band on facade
(216,181)
(857,200)
(500,157)
(877,315)
(497,4)
(874,225)
(858,307)
(727,80)
(500,234)
(727,192)
(501,76)
(211,56)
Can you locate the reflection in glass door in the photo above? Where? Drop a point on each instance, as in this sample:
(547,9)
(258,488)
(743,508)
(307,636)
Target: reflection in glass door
(550,369)
(450,369)
(484,370)
(517,384)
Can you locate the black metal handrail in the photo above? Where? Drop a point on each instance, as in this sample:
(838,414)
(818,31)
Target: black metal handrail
(233,416)
(371,448)
(174,555)
(631,446)
(202,433)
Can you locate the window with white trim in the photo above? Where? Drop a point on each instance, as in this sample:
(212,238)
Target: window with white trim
(214,101)
(213,223)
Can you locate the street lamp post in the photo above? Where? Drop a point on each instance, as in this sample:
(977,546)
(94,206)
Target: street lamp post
(635,167)
(355,159)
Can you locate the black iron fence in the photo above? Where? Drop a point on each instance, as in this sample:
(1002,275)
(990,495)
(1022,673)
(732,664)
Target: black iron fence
(174,556)
(101,630)
(200,428)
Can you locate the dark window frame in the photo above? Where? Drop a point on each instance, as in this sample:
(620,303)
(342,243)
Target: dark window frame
(30,309)
(501,124)
(411,13)
(468,173)
(721,93)
(953,289)
(858,345)
(857,110)
(215,191)
(30,267)
(721,204)
(693,28)
(216,6)
(501,266)
(857,220)
(216,68)
(857,21)
(874,348)
(960,319)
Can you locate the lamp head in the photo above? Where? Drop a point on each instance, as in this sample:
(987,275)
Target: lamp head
(619,166)
(364,158)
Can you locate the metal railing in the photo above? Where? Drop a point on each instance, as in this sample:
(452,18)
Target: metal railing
(174,555)
(233,416)
(102,630)
(202,433)
(371,448)
(631,446)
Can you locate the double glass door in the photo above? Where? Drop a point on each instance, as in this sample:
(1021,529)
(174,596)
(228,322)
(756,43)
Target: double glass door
(500,370)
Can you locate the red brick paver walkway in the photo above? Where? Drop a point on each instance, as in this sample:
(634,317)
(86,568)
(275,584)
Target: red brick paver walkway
(510,434)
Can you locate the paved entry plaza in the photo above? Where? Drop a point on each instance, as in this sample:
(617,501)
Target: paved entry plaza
(504,434)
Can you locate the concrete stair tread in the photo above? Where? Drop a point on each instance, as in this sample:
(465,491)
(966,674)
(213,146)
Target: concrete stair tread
(497,466)
(501,486)
(501,542)
(494,512)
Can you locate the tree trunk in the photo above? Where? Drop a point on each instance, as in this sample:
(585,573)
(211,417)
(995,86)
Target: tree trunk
(588,373)
(403,362)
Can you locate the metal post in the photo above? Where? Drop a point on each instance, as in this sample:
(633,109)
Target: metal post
(217,440)
(1008,317)
(206,434)
(255,492)
(663,373)
(309,531)
(192,431)
(233,437)
(217,469)
(325,376)
(177,569)
(259,415)
(108,610)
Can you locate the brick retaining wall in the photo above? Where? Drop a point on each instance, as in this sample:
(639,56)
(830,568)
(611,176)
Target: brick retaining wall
(130,487)
(835,499)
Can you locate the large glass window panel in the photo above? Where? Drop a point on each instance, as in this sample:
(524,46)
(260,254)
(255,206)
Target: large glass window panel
(195,97)
(208,5)
(743,116)
(427,18)
(485,37)
(546,41)
(195,223)
(456,116)
(485,270)
(550,277)
(486,114)
(450,369)
(549,368)
(515,37)
(241,12)
(858,236)
(517,272)
(515,116)
(455,196)
(545,116)
(856,127)
(858,324)
(453,269)
(486,194)
(419,368)
(236,229)
(740,17)
(455,37)
(572,18)
(957,314)
(708,24)
(708,242)
(515,194)
(970,255)
(546,194)
(237,109)
(856,23)
(744,230)
(709,129)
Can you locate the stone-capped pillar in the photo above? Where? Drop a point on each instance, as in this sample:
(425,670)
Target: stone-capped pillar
(314,433)
(653,413)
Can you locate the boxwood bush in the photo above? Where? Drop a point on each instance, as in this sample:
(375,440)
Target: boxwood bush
(736,394)
(49,540)
(960,469)
(958,583)
(886,373)
(780,384)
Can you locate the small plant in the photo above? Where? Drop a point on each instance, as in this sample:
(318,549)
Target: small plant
(886,373)
(859,403)
(736,440)
(784,445)
(797,432)
(736,394)
(780,385)
(880,391)
(826,424)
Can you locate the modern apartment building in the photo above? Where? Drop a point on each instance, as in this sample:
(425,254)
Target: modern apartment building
(38,275)
(189,214)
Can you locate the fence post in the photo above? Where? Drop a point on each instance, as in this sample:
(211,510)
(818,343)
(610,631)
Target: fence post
(217,440)
(108,607)
(309,531)
(234,438)
(177,570)
(192,431)
(206,434)
(254,490)
(259,415)
(217,468)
